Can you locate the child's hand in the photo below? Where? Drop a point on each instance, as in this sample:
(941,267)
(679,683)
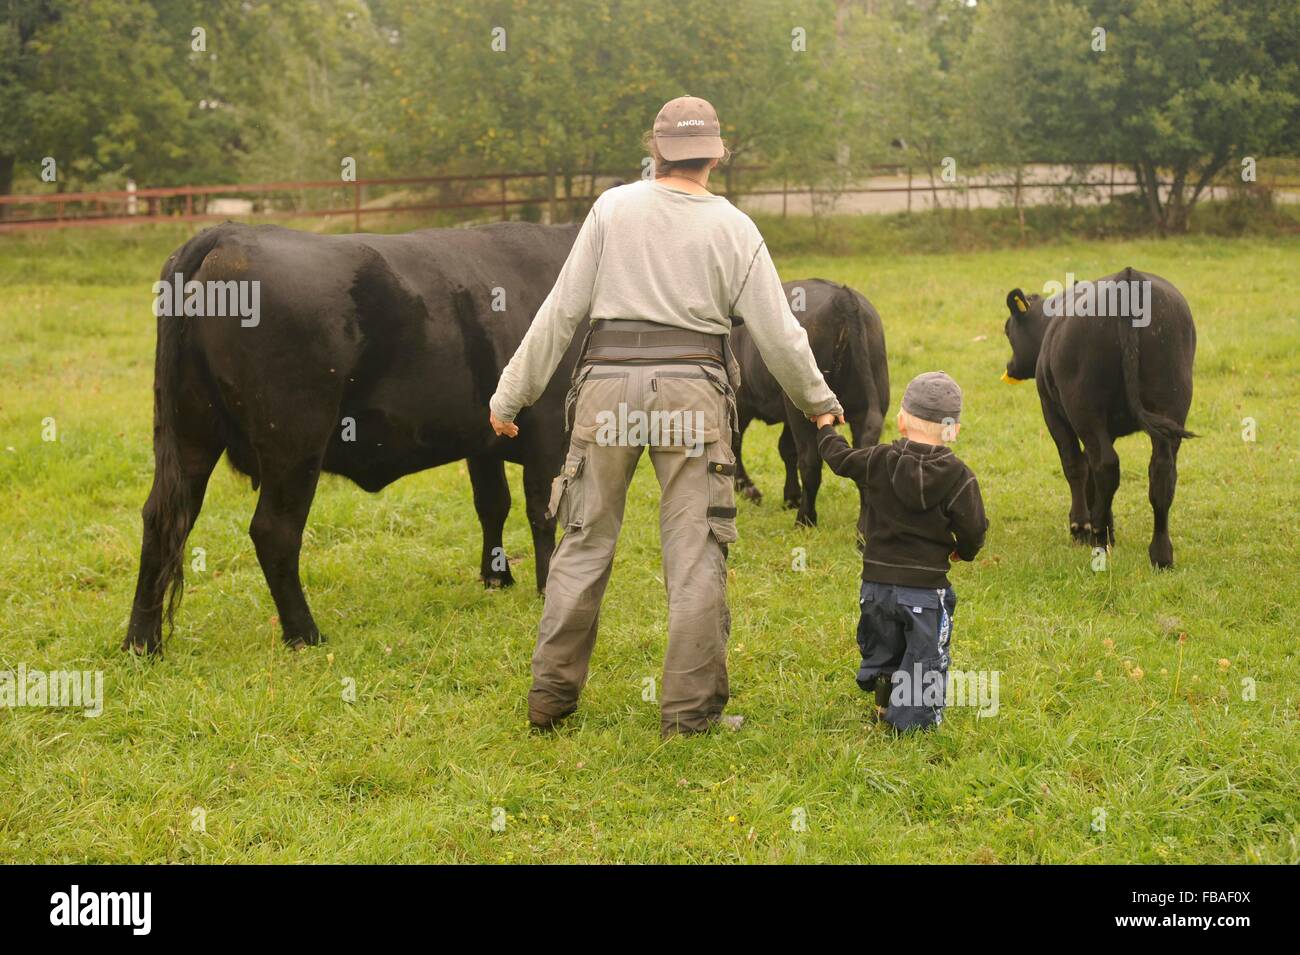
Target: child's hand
(822,420)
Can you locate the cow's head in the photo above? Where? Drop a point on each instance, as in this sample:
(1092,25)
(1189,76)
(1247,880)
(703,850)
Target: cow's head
(1024,329)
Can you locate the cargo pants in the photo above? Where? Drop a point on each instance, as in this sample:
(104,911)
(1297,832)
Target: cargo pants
(681,412)
(905,636)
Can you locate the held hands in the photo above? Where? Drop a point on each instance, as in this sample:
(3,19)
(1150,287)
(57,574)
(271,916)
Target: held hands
(821,420)
(507,428)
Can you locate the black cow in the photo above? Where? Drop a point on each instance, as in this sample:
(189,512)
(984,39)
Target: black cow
(847,337)
(1111,357)
(374,357)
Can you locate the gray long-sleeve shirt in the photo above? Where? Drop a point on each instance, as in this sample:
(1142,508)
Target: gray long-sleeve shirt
(651,252)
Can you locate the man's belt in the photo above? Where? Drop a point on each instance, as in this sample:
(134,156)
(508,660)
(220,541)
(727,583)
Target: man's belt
(636,340)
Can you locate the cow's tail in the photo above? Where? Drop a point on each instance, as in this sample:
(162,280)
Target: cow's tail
(854,318)
(1156,425)
(169,510)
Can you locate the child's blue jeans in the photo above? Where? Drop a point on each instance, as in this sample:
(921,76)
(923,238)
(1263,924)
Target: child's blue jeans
(904,635)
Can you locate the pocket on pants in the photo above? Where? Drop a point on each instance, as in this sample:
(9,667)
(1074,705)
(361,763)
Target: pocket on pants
(929,620)
(917,600)
(722,491)
(596,414)
(685,408)
(919,692)
(566,504)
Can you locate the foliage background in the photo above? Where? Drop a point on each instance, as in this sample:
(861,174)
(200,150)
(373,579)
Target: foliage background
(113,89)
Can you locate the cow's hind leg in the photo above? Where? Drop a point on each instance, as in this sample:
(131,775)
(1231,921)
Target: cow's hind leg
(744,484)
(1163,476)
(810,471)
(1103,463)
(537,493)
(810,465)
(282,507)
(1075,465)
(492,502)
(790,458)
(866,427)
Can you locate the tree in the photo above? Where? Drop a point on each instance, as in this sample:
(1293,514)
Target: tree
(177,91)
(572,87)
(1179,90)
(1190,88)
(19,63)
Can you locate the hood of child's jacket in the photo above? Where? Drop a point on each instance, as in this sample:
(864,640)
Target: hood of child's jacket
(922,475)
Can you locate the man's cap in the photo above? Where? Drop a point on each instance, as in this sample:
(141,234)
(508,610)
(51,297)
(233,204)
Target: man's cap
(688,128)
(933,396)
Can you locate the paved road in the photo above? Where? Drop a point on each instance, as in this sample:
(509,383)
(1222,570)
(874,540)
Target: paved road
(974,192)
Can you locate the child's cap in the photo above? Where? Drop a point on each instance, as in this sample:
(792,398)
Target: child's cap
(933,396)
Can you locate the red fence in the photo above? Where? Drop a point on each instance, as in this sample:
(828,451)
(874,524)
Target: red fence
(500,191)
(150,205)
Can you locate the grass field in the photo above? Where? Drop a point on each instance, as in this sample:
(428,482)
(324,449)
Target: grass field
(1104,714)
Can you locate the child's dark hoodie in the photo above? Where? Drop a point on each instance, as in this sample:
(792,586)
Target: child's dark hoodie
(922,504)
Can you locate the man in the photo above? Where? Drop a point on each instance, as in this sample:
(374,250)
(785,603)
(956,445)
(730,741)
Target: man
(661,267)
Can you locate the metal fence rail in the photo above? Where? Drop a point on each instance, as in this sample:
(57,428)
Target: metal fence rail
(115,207)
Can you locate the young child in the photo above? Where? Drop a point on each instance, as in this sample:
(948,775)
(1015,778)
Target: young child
(923,508)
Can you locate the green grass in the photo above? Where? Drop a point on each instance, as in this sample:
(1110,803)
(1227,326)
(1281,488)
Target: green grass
(286,770)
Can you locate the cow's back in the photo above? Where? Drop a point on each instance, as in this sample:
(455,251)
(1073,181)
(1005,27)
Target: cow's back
(1081,362)
(826,307)
(403,336)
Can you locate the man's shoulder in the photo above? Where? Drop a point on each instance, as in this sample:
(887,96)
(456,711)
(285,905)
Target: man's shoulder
(643,190)
(740,219)
(622,194)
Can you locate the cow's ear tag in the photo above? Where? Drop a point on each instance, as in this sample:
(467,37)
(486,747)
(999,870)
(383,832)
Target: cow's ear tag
(1017,302)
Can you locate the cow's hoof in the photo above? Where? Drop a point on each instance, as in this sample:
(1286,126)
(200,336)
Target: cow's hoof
(750,493)
(805,520)
(312,639)
(1081,533)
(1162,555)
(791,504)
(498,581)
(1104,537)
(149,648)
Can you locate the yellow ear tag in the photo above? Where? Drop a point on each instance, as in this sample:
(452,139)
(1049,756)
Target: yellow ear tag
(1011,381)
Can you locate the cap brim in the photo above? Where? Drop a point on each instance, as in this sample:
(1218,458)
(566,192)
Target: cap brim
(678,148)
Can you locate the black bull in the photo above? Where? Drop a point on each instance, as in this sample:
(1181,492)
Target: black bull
(1110,358)
(848,340)
(374,357)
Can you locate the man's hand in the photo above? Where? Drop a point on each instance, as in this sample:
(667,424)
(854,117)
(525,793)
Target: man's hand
(507,428)
(821,420)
